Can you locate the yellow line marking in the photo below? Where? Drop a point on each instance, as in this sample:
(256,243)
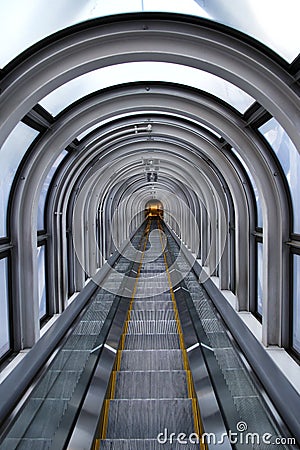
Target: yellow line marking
(190,384)
(112,382)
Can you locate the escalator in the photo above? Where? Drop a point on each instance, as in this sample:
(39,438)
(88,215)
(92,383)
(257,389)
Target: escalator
(151,387)
(147,364)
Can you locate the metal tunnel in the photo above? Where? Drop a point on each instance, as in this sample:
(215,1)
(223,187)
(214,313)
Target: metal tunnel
(149,225)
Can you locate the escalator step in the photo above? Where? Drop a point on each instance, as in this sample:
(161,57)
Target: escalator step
(149,342)
(159,314)
(151,360)
(159,384)
(153,305)
(163,296)
(204,310)
(152,327)
(156,267)
(153,286)
(140,419)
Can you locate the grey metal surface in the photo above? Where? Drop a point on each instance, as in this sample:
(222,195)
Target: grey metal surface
(153,305)
(151,342)
(170,359)
(152,327)
(142,419)
(151,384)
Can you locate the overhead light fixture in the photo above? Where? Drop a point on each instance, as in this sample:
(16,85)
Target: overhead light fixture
(151,177)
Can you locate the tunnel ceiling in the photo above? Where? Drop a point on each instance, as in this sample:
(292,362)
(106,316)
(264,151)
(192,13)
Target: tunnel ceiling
(184,102)
(195,92)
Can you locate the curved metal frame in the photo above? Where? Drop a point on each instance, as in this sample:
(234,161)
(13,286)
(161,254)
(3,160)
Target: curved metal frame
(229,56)
(127,99)
(131,37)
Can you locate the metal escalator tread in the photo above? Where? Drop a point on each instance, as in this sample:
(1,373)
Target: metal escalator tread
(170,359)
(151,391)
(157,314)
(151,384)
(148,418)
(103,297)
(41,416)
(152,305)
(151,342)
(146,327)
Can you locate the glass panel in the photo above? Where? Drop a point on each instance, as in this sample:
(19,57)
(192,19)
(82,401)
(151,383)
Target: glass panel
(11,154)
(256,193)
(273,23)
(61,97)
(4,308)
(259,299)
(44,191)
(268,21)
(36,20)
(296,304)
(41,281)
(290,161)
